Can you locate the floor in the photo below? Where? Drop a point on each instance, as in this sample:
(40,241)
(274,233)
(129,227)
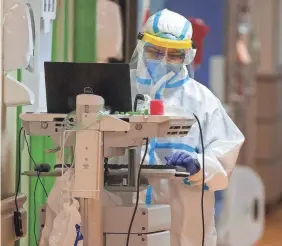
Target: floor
(273,230)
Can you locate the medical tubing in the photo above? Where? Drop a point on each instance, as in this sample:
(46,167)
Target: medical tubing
(70,123)
(138,191)
(203,180)
(99,115)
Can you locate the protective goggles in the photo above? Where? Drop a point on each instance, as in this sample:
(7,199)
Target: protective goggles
(158,53)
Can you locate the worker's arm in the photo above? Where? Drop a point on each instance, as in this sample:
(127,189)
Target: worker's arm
(222,143)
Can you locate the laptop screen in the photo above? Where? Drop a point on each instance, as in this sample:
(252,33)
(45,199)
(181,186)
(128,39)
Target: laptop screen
(65,80)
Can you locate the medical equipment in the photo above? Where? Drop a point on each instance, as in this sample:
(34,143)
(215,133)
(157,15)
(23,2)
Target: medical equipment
(107,137)
(99,137)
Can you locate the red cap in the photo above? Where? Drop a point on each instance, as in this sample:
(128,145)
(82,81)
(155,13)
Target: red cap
(156,107)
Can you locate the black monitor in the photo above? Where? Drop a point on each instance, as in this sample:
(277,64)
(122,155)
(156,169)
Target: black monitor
(65,80)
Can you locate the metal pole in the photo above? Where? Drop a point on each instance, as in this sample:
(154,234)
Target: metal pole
(84,228)
(131,168)
(91,217)
(89,184)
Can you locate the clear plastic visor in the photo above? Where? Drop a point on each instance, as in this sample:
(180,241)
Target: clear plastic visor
(148,51)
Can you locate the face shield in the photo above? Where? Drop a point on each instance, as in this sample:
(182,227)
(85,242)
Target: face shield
(156,58)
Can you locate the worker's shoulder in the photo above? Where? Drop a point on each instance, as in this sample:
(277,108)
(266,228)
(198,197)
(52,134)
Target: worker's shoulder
(200,92)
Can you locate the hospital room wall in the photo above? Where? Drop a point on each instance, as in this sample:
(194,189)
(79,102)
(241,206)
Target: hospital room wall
(263,129)
(74,38)
(269,105)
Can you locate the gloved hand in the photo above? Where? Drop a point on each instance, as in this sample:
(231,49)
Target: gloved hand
(183,159)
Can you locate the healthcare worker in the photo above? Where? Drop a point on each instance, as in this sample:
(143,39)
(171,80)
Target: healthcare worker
(158,69)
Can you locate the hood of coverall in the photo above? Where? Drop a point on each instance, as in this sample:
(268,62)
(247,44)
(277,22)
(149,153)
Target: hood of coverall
(161,67)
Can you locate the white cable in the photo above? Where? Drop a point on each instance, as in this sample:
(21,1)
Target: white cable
(62,153)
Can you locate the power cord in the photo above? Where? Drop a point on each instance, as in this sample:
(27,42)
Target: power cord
(34,192)
(203,180)
(20,170)
(34,163)
(17,214)
(138,192)
(34,204)
(203,185)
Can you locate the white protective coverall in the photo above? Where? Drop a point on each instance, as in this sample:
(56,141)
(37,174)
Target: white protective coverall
(222,139)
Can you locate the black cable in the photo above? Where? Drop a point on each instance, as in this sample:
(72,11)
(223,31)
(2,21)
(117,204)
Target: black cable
(38,179)
(34,163)
(34,201)
(138,191)
(19,179)
(203,180)
(106,170)
(20,169)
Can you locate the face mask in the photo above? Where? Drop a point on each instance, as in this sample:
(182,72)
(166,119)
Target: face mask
(158,69)
(176,68)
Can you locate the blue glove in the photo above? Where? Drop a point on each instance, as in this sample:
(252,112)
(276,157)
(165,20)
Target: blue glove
(183,159)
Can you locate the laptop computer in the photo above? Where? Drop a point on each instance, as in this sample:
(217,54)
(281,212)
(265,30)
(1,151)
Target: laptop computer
(65,80)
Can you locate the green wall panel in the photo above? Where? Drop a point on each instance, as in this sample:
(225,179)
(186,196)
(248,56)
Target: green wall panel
(84,31)
(39,156)
(38,145)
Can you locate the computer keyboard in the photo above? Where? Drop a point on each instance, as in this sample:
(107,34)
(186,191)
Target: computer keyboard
(160,167)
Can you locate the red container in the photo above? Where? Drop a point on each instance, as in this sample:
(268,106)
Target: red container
(156,107)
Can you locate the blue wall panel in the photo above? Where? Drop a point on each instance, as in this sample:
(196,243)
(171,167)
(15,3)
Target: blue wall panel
(157,5)
(212,12)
